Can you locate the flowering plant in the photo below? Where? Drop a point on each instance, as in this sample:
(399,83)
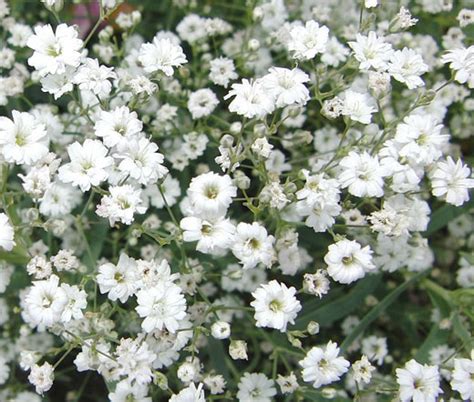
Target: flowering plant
(251,200)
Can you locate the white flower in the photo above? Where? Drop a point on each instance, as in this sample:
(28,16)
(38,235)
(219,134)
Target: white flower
(238,350)
(202,103)
(162,306)
(262,147)
(251,100)
(7,234)
(286,86)
(316,284)
(59,200)
(419,138)
(77,301)
(124,391)
(58,84)
(28,358)
(39,267)
(307,41)
(161,55)
(319,201)
(54,51)
(362,370)
(23,140)
(213,236)
(222,71)
(190,394)
(95,78)
(462,377)
(348,261)
(118,127)
(461,61)
(275,305)
(358,106)
(192,28)
(4,370)
(45,302)
(256,387)
(375,348)
(134,361)
(418,382)
(119,281)
(141,161)
(42,377)
(220,330)
(451,181)
(362,174)
(322,366)
(88,164)
(406,66)
(288,384)
(216,383)
(371,51)
(252,245)
(211,194)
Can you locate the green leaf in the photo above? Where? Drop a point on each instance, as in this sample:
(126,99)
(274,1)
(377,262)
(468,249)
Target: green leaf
(436,337)
(379,308)
(218,357)
(341,307)
(442,216)
(462,333)
(96,237)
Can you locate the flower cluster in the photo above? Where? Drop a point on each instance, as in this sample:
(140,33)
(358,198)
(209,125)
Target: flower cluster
(247,201)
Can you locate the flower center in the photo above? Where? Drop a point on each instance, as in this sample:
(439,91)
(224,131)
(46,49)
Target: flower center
(275,305)
(211,192)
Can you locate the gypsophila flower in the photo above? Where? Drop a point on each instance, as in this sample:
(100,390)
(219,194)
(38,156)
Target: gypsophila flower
(118,126)
(252,245)
(54,51)
(316,284)
(251,99)
(371,51)
(238,350)
(357,106)
(462,62)
(88,165)
(275,305)
(348,261)
(118,281)
(211,194)
(7,235)
(418,382)
(462,377)
(121,205)
(255,387)
(451,181)
(42,377)
(362,174)
(406,66)
(222,71)
(202,103)
(286,86)
(161,55)
(162,306)
(191,393)
(323,366)
(140,160)
(307,41)
(23,140)
(362,370)
(45,302)
(95,78)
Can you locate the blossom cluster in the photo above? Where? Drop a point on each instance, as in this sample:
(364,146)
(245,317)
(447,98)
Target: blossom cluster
(248,201)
